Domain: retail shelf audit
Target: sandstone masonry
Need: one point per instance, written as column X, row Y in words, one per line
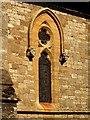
column 73, row 75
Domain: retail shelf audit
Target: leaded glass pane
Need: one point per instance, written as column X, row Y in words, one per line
column 43, row 36
column 44, row 79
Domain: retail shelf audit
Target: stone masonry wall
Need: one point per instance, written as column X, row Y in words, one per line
column 73, row 75
column 0, row 57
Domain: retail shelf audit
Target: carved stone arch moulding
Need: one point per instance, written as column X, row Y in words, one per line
column 45, row 34
column 41, row 20
column 48, row 52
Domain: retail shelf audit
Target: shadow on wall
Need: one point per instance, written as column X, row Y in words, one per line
column 6, row 79
column 7, row 89
column 8, row 98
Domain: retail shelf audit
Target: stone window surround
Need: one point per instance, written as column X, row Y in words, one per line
column 47, row 19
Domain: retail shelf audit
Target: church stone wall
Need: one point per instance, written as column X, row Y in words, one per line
column 73, row 75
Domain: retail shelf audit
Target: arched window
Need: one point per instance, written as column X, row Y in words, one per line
column 44, row 78
column 45, row 45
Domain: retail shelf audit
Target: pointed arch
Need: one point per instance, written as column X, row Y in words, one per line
column 45, row 34
column 57, row 22
column 48, row 52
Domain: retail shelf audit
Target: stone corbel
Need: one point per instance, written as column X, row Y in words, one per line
column 63, row 58
column 30, row 53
